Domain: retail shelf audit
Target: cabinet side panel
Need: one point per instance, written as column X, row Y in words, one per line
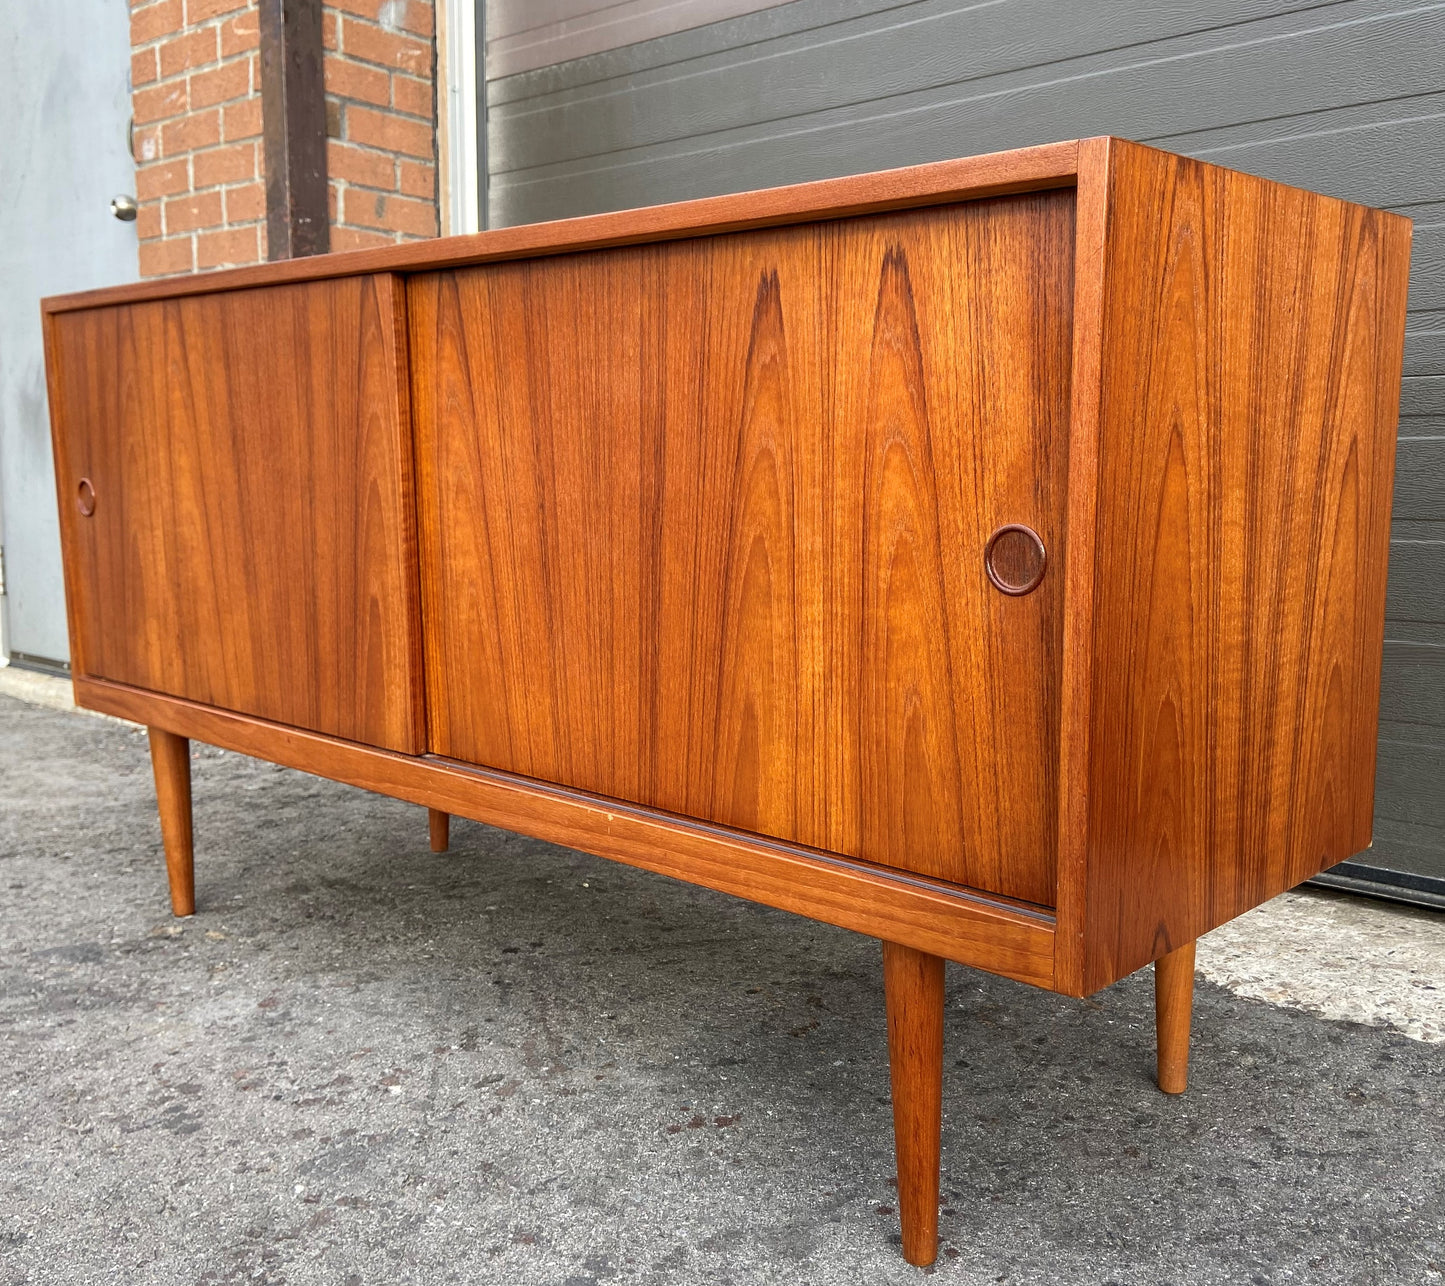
column 252, row 544
column 1251, row 374
column 704, row 523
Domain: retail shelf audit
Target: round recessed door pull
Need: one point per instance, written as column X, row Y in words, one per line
column 1014, row 559
column 85, row 497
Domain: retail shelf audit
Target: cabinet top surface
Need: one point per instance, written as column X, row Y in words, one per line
column 995, row 174
column 1050, row 165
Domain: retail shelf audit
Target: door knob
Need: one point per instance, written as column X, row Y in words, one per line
column 85, row 498
column 124, row 207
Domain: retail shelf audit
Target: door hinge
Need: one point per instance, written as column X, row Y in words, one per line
column 2, row 571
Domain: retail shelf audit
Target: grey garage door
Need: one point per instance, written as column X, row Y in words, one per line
column 1347, row 98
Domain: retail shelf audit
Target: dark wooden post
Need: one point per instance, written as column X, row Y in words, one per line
column 293, row 129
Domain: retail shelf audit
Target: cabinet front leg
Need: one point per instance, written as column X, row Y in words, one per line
column 1173, row 1004
column 913, row 991
column 171, row 761
column 440, row 825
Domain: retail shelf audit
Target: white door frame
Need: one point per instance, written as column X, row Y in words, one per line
column 461, row 127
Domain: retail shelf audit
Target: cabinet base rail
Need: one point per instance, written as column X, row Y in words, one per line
column 1011, row 939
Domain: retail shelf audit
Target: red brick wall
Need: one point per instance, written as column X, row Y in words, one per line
column 380, row 119
column 196, row 98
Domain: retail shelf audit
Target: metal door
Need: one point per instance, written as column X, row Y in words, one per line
column 65, row 102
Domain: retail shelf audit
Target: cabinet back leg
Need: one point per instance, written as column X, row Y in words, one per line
column 171, row 762
column 440, row 826
column 913, row 990
column 1173, row 1006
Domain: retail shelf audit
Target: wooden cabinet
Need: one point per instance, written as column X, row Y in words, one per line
column 988, row 556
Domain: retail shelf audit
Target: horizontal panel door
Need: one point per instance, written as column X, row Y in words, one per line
column 704, row 523
column 235, row 480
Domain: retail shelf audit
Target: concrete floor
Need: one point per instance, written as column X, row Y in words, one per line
column 362, row 1063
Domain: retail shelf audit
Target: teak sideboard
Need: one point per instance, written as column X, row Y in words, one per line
column 987, row 556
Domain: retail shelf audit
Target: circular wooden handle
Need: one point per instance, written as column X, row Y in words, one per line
column 85, row 497
column 1015, row 559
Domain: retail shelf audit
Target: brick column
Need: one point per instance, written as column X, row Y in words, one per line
column 196, row 98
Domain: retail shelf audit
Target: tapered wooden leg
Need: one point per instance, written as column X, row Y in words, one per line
column 913, row 990
column 171, row 760
column 441, row 825
column 1173, row 1003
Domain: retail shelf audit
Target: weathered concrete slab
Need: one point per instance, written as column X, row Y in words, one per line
column 1338, row 956
column 512, row 1063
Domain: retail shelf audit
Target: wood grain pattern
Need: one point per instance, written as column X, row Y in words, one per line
column 171, row 765
column 913, row 992
column 930, row 916
column 703, row 528
column 65, row 480
column 253, row 540
column 1250, row 380
column 1024, row 169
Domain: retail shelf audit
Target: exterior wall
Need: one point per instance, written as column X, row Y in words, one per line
column 196, row 98
column 380, row 121
column 523, row 34
column 1345, row 98
column 196, row 104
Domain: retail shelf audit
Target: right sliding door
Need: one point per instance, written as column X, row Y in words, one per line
column 704, row 528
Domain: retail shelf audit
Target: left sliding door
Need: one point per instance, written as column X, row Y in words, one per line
column 235, row 481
